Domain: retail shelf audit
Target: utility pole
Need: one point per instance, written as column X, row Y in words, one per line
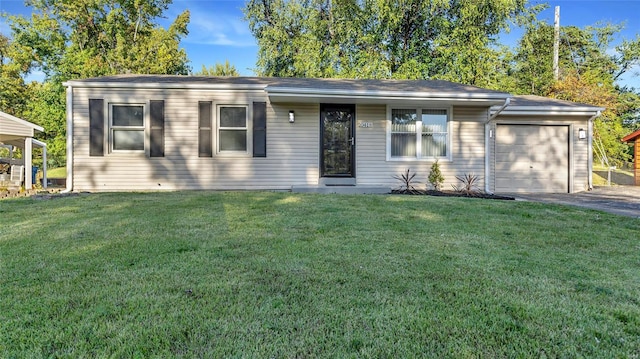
column 556, row 43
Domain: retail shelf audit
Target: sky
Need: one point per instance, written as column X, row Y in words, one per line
column 217, row 31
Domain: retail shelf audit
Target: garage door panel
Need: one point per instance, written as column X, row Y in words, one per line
column 512, row 157
column 543, row 185
column 517, row 135
column 513, row 167
column 548, row 176
column 532, row 158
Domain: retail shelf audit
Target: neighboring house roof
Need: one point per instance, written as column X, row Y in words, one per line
column 302, row 89
column 19, row 121
column 13, row 130
column 632, row 136
column 534, row 105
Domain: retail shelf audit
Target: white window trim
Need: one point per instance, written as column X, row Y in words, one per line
column 110, row 127
column 419, row 156
column 216, row 130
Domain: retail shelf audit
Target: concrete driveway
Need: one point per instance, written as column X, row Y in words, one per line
column 622, row 200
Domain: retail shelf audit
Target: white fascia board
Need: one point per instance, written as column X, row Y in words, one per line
column 549, row 110
column 163, row 85
column 312, row 92
column 21, row 121
column 38, row 143
column 307, row 98
column 541, row 111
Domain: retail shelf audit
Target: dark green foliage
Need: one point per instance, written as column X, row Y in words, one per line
column 411, row 39
column 225, row 69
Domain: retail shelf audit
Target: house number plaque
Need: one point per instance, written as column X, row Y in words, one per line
column 366, row 124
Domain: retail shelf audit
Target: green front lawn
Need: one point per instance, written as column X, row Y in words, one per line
column 280, row 275
column 59, row 172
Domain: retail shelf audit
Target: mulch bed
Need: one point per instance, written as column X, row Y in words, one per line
column 452, row 194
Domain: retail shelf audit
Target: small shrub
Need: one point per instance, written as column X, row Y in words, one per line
column 407, row 182
column 435, row 176
column 469, row 184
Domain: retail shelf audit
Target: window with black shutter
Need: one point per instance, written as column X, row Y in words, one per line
column 259, row 129
column 156, row 135
column 205, row 148
column 96, row 127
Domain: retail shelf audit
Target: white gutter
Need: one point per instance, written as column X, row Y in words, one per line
column 590, row 145
column 69, row 139
column 497, row 112
column 539, row 111
column 487, row 144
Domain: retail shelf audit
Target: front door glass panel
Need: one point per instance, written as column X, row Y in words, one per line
column 337, row 140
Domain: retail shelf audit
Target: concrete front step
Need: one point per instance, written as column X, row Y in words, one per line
column 357, row 189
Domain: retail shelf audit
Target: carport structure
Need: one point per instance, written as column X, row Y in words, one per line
column 19, row 133
column 635, row 138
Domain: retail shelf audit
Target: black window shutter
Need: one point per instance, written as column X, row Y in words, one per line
column 96, row 127
column 157, row 128
column 205, row 149
column 259, row 129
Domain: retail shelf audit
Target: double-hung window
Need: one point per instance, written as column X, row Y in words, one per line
column 127, row 127
column 419, row 134
column 232, row 129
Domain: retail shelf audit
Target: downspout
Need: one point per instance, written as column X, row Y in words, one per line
column 590, row 145
column 69, row 140
column 487, row 145
column 495, row 114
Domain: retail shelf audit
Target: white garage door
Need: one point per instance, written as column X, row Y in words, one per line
column 531, row 158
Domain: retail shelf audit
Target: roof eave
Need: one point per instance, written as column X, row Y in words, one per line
column 631, row 137
column 342, row 93
column 21, row 121
column 163, row 85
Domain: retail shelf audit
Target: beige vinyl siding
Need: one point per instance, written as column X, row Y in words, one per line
column 578, row 160
column 466, row 146
column 8, row 127
column 292, row 149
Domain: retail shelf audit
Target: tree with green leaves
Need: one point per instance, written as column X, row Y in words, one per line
column 218, row 69
column 410, row 39
column 81, row 39
column 588, row 74
column 100, row 37
column 13, row 97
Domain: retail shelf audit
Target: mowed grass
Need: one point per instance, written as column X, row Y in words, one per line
column 59, row 172
column 281, row 275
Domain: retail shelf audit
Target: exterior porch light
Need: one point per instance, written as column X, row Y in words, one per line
column 292, row 116
column 582, row 134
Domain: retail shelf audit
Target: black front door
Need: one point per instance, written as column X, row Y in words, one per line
column 337, row 140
